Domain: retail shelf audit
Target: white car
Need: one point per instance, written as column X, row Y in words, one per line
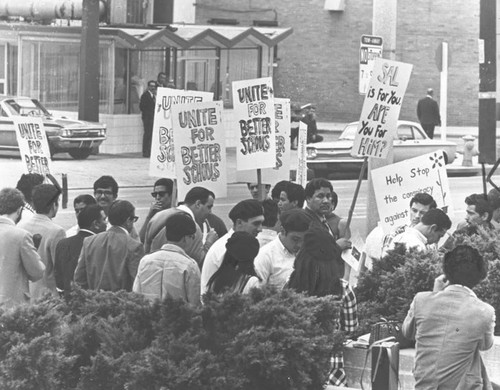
column 326, row 158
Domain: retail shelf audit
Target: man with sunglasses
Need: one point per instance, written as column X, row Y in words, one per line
column 46, row 205
column 162, row 200
column 109, row 260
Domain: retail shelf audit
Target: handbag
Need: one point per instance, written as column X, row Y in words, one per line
column 384, row 329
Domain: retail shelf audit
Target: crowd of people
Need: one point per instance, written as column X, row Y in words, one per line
column 292, row 239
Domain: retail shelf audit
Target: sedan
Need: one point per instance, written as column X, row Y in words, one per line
column 78, row 138
column 326, row 158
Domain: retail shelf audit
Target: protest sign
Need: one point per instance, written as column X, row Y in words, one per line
column 380, row 113
column 253, row 102
column 282, row 169
column 162, row 161
column 200, row 149
column 396, row 184
column 33, row 145
column 302, row 156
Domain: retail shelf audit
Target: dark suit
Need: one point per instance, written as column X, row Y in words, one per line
column 147, row 106
column 67, row 254
column 428, row 115
column 109, row 261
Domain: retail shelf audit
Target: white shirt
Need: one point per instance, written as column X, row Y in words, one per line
column 266, row 236
column 213, row 260
column 274, row 264
column 72, row 231
column 412, row 238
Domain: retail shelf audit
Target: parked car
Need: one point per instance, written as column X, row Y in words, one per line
column 326, row 158
column 76, row 137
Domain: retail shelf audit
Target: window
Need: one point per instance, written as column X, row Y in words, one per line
column 405, row 132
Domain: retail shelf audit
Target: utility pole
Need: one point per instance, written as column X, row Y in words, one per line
column 88, row 93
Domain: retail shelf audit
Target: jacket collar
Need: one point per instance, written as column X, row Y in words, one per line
column 458, row 288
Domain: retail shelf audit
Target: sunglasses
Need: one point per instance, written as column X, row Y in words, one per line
column 135, row 218
column 161, row 194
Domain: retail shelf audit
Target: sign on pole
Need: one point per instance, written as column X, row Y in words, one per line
column 162, row 161
column 200, row 148
column 253, row 102
column 396, row 184
column 302, row 155
column 281, row 171
column 370, row 48
column 380, row 113
column 33, row 145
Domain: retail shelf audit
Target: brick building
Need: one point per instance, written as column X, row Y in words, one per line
column 319, row 63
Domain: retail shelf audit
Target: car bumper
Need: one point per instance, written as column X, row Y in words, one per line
column 332, row 166
column 61, row 143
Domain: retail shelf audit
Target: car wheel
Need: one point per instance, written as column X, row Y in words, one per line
column 80, row 154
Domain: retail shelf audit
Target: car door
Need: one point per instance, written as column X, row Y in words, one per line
column 8, row 138
column 407, row 143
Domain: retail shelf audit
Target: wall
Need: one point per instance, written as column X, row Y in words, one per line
column 319, row 63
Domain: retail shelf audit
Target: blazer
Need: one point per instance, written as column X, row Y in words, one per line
column 109, row 261
column 428, row 111
column 450, row 328
column 51, row 234
column 67, row 254
column 19, row 263
column 147, row 106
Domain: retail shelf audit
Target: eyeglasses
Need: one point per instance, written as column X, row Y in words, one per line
column 135, row 218
column 104, row 192
column 161, row 194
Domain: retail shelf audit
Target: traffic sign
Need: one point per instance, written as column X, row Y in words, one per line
column 370, row 48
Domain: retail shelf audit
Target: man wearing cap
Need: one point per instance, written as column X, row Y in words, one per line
column 274, row 263
column 170, row 272
column 428, row 113
column 247, row 216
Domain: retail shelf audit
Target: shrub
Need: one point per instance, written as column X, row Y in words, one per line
column 96, row 340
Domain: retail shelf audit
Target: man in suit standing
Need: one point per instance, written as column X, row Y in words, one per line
column 46, row 204
column 428, row 113
column 91, row 220
column 147, row 107
column 19, row 260
column 451, row 325
column 109, row 260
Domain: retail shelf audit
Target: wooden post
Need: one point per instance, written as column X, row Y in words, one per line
column 260, row 186
column 356, row 192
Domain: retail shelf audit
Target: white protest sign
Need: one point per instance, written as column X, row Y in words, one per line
column 380, row 113
column 397, row 183
column 200, row 148
column 253, row 102
column 282, row 169
column 33, row 145
column 302, row 156
column 162, row 161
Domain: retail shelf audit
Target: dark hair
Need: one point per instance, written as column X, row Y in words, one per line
column 178, row 226
column 84, row 198
column 318, row 266
column 44, row 196
column 316, row 184
column 153, row 82
column 88, row 215
column 161, row 73
column 246, row 209
column 241, row 250
column 270, row 212
column 279, row 186
column 436, row 217
column 424, row 199
column 11, row 199
column 27, row 182
column 481, row 204
column 120, row 211
column 295, row 220
column 295, row 192
column 168, row 183
column 198, row 193
column 494, row 198
column 464, row 265
column 107, row 182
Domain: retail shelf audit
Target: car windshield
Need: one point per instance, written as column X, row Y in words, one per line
column 349, row 132
column 26, row 107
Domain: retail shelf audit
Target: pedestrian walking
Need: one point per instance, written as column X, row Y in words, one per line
column 428, row 113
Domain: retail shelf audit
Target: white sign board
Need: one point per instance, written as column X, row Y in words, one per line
column 380, row 113
column 253, row 102
column 162, row 161
column 302, row 156
column 370, row 48
column 397, row 183
column 200, row 147
column 33, row 145
column 282, row 169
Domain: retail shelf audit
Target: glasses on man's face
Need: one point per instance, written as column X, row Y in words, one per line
column 134, row 219
column 152, row 86
column 103, row 192
column 161, row 194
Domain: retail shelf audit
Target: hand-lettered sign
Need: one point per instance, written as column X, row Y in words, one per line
column 200, row 149
column 254, row 115
column 33, row 145
column 380, row 113
column 162, row 161
column 396, row 184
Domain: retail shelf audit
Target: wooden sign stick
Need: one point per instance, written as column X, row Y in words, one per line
column 356, row 192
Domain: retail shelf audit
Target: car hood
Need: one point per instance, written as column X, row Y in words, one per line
column 71, row 123
column 338, row 145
